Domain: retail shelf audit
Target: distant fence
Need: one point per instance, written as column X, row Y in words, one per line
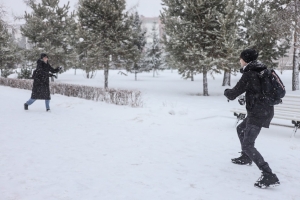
column 114, row 96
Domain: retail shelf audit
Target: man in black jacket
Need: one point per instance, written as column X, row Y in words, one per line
column 259, row 114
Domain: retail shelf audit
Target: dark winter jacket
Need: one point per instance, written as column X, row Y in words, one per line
column 40, row 77
column 259, row 113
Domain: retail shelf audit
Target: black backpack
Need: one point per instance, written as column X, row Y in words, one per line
column 272, row 87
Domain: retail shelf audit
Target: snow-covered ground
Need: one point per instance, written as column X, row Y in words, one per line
column 177, row 147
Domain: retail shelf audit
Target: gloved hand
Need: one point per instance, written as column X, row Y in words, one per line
column 242, row 100
column 52, row 75
column 225, row 93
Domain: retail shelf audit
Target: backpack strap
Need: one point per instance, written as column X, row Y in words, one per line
column 278, row 79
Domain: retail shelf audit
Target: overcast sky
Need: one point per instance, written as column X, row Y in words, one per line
column 148, row 8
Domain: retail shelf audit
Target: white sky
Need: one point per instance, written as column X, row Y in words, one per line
column 148, row 8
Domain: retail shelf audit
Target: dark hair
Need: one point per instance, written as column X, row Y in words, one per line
column 43, row 55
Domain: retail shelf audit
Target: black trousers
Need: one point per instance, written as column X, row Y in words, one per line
column 247, row 134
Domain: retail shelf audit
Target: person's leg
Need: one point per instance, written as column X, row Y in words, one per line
column 47, row 103
column 243, row 159
column 30, row 101
column 240, row 130
column 250, row 134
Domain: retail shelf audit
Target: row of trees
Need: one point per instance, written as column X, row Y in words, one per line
column 201, row 36
column 9, row 51
column 95, row 36
column 207, row 36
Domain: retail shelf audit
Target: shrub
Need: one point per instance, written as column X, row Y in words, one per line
column 114, row 96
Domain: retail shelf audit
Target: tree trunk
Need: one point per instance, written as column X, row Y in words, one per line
column 153, row 72
column 136, row 75
column 205, row 85
column 75, row 71
column 192, row 76
column 227, row 77
column 295, row 78
column 106, row 77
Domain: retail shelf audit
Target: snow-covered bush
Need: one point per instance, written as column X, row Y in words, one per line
column 114, row 96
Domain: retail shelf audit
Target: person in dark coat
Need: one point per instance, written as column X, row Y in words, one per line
column 41, row 89
column 259, row 114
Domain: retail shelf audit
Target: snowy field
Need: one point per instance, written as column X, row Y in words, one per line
column 178, row 146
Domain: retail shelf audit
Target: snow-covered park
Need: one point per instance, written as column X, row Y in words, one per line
column 178, row 146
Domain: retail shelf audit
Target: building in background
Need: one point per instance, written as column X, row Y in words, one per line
column 22, row 41
column 148, row 22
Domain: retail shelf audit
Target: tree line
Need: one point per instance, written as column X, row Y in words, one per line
column 200, row 36
column 208, row 36
column 95, row 36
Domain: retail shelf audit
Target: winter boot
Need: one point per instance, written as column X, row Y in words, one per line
column 48, row 110
column 242, row 160
column 25, row 106
column 267, row 180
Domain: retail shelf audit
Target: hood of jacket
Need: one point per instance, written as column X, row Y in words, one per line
column 254, row 66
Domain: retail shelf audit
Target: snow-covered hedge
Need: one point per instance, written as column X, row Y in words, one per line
column 114, row 96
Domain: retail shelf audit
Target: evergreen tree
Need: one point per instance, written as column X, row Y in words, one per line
column 9, row 51
column 263, row 33
column 25, row 73
column 194, row 29
column 288, row 18
column 48, row 30
column 71, row 41
column 174, row 46
column 108, row 27
column 87, row 53
column 154, row 59
column 232, row 45
column 138, row 41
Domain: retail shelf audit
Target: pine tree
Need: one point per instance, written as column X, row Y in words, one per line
column 175, row 48
column 154, row 59
column 87, row 53
column 25, row 73
column 71, row 41
column 288, row 18
column 9, row 51
column 194, row 27
column 48, row 30
column 138, row 41
column 109, row 32
column 232, row 45
column 263, row 33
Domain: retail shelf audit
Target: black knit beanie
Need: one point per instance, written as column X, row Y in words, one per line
column 43, row 55
column 249, row 55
